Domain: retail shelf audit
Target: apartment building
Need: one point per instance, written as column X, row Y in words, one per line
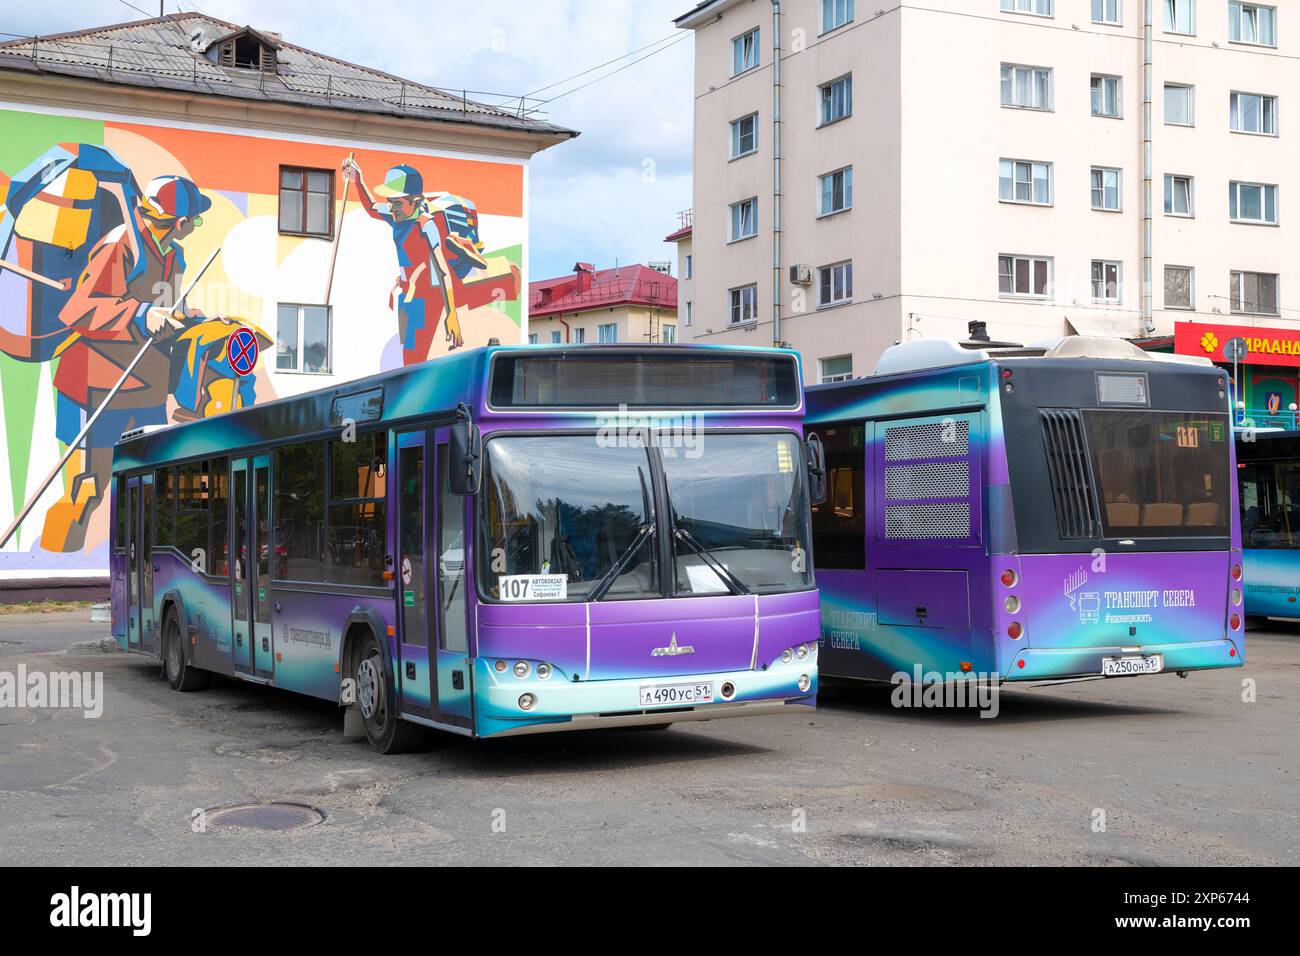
column 960, row 160
column 631, row 303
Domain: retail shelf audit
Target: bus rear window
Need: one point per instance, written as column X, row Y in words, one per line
column 1160, row 474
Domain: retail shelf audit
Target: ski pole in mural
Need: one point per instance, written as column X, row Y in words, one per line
column 99, row 262
column 440, row 257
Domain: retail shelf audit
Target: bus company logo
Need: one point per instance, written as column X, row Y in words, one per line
column 58, row 690
column 668, row 433
column 75, row 909
column 1086, row 603
column 673, row 649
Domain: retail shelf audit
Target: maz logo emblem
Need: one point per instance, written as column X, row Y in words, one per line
column 673, row 648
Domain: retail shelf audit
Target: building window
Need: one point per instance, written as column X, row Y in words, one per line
column 1105, row 280
column 835, row 284
column 1105, row 189
column 306, row 199
column 744, row 52
column 836, row 13
column 744, row 305
column 1254, row 113
column 1024, row 181
column 670, row 333
column 744, row 219
column 744, row 136
column 607, row 332
column 579, row 336
column 1040, row 8
column 302, row 340
column 836, row 98
column 1026, row 87
column 838, row 368
column 690, row 266
column 532, row 338
column 1178, row 195
column 1252, row 202
column 1106, row 11
column 1254, row 293
column 1106, row 96
column 1024, row 275
column 1252, row 23
column 555, row 337
column 836, row 191
column 1178, row 105
column 1178, row 287
column 1180, row 16
column 690, row 313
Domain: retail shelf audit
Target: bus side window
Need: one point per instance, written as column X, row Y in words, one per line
column 839, row 524
column 451, row 562
column 165, row 505
column 119, row 529
column 219, row 479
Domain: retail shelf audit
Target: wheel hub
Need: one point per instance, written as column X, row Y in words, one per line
column 369, row 688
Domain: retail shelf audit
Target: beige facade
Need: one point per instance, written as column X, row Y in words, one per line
column 631, row 323
column 931, row 227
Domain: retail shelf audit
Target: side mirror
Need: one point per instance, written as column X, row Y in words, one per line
column 465, row 456
column 815, row 455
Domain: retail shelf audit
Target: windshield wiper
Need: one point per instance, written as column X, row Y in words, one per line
column 607, row 580
column 733, row 583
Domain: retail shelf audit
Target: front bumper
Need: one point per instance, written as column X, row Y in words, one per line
column 580, row 705
column 1052, row 663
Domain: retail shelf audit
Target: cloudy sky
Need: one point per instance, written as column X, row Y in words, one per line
column 611, row 194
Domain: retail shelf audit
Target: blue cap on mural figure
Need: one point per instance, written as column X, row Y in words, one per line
column 174, row 197
column 401, row 181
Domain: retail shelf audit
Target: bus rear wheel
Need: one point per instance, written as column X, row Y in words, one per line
column 180, row 674
column 376, row 699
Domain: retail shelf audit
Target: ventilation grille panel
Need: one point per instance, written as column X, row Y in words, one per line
column 949, row 439
column 1077, row 513
column 931, row 479
column 944, row 519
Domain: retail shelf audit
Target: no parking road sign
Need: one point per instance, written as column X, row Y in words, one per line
column 243, row 350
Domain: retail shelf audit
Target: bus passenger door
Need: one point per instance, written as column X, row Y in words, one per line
column 144, row 538
column 134, row 616
column 241, row 575
column 259, row 550
column 412, row 589
column 454, row 692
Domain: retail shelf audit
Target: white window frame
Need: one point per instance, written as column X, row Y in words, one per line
column 1234, row 109
column 1029, row 8
column 737, row 299
column 1015, row 180
column 843, row 271
column 300, row 358
column 579, row 335
column 607, row 332
column 690, row 313
column 1190, row 90
column 835, row 14
column 1191, row 196
column 1093, row 188
column 1101, row 18
column 668, row 333
column 1191, row 289
column 736, row 220
column 739, row 62
column 737, row 137
column 1106, row 79
column 826, row 95
column 1237, row 12
column 1031, row 261
column 826, row 378
column 846, row 191
column 1171, row 22
column 1238, row 301
column 1105, row 264
column 1011, row 104
column 690, row 265
column 1234, row 200
column 532, row 338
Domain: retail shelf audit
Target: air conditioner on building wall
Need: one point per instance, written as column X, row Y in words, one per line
column 801, row 275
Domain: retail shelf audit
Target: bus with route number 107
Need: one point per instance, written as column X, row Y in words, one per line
column 504, row 541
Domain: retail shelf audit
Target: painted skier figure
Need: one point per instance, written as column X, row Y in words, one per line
column 431, row 256
column 125, row 294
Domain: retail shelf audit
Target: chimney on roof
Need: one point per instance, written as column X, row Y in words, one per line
column 583, row 271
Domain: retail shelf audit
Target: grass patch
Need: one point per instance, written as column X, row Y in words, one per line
column 46, row 606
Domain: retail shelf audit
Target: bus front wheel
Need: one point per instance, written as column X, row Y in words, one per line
column 181, row 675
column 376, row 699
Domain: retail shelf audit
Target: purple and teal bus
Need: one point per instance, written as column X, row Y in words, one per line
column 504, row 541
column 1027, row 514
column 1268, row 472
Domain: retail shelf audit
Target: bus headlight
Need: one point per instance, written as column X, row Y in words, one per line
column 527, row 701
column 522, row 669
column 787, row 656
column 543, row 671
column 804, row 682
column 801, row 652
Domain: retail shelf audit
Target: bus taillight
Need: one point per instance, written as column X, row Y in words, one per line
column 1009, row 578
column 1014, row 630
column 1236, row 572
column 1234, row 621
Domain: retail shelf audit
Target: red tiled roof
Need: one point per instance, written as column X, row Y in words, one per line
column 627, row 285
column 681, row 233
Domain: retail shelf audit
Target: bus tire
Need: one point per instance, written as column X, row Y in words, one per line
column 180, row 674
column 386, row 732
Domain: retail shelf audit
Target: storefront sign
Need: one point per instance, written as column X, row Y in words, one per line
column 1264, row 346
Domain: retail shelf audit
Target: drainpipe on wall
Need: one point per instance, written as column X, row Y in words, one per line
column 776, row 172
column 560, row 319
column 1148, row 322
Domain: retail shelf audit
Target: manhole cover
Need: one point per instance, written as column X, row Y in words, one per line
column 264, row 816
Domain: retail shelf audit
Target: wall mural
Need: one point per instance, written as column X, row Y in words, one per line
column 126, row 246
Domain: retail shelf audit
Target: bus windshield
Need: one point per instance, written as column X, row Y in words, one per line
column 569, row 518
column 1160, row 474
